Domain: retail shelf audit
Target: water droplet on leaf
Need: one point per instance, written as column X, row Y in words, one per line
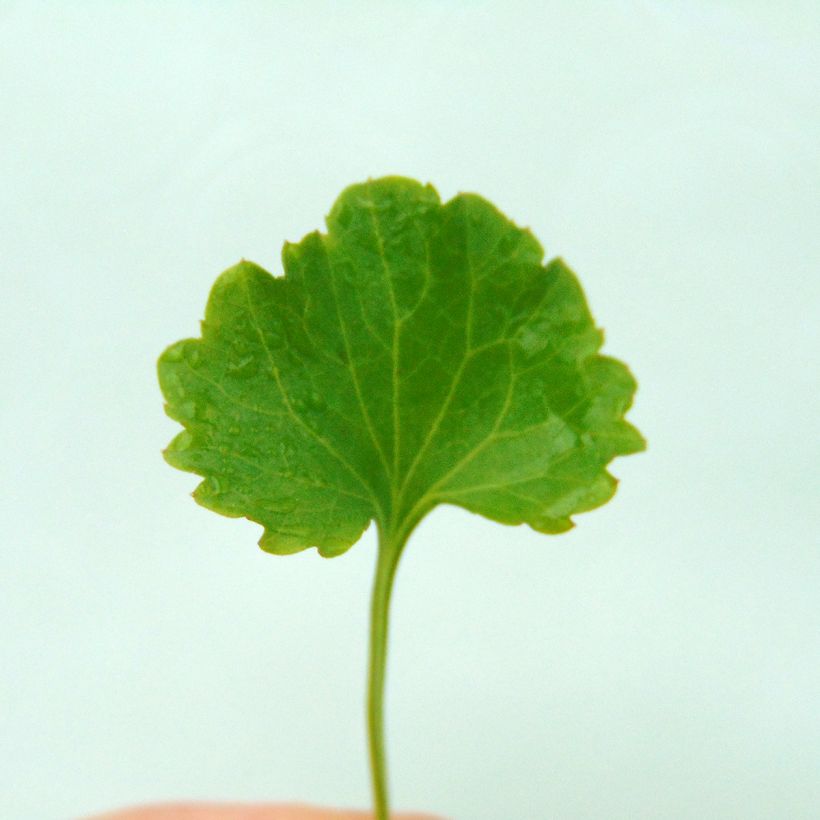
column 316, row 401
column 192, row 356
column 187, row 409
column 242, row 367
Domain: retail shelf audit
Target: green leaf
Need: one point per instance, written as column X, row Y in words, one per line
column 416, row 354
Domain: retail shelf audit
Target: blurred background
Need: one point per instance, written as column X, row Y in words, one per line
column 662, row 660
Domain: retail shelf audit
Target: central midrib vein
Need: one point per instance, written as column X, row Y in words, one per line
column 392, row 476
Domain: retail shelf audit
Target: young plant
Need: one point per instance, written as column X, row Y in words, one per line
column 416, row 354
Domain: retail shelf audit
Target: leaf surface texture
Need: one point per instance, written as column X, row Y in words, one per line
column 416, row 354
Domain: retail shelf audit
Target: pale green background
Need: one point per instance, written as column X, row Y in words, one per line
column 658, row 663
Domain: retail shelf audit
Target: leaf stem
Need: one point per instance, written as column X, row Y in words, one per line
column 390, row 549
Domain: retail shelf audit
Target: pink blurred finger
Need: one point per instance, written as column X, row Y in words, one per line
column 238, row 811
